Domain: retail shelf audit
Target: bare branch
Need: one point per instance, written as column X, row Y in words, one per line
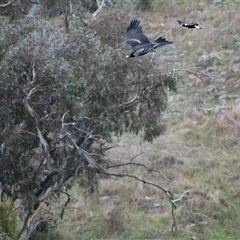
column 68, row 200
column 62, row 120
column 193, row 215
column 166, row 191
column 26, row 104
column 85, row 154
column 33, row 73
column 141, row 165
column 136, row 156
column 131, row 103
column 33, row 115
column 180, row 198
column 29, row 224
column 99, row 8
column 8, row 4
column 70, row 8
column 42, row 139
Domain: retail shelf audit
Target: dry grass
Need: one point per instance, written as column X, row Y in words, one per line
column 189, row 163
column 226, row 127
column 219, row 22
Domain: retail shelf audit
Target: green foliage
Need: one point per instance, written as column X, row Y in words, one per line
column 7, row 220
column 220, row 235
column 81, row 90
column 45, row 230
column 90, row 5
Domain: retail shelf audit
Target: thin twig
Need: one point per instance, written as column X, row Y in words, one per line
column 141, row 165
column 136, row 156
column 68, row 200
column 166, row 191
column 193, row 214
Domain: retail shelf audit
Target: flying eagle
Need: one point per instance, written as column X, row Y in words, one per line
column 189, row 25
column 139, row 42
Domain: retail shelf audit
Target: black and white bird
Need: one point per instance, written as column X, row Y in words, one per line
column 189, row 25
column 139, row 42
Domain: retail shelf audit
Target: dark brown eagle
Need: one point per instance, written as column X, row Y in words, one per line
column 139, row 42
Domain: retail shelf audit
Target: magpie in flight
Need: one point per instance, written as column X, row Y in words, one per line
column 139, row 42
column 189, row 25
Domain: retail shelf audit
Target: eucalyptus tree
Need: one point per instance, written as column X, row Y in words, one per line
column 63, row 96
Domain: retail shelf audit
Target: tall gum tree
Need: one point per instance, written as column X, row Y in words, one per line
column 63, row 95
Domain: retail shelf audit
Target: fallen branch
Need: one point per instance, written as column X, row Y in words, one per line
column 194, row 214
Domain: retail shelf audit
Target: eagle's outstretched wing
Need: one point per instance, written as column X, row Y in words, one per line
column 160, row 42
column 134, row 34
column 180, row 22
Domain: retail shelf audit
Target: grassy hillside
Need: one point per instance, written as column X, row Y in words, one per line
column 200, row 150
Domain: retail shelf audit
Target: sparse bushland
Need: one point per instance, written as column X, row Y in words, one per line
column 199, row 151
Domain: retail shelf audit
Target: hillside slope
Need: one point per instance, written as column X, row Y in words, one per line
column 200, row 150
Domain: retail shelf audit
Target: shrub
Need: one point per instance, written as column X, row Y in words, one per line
column 7, row 220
